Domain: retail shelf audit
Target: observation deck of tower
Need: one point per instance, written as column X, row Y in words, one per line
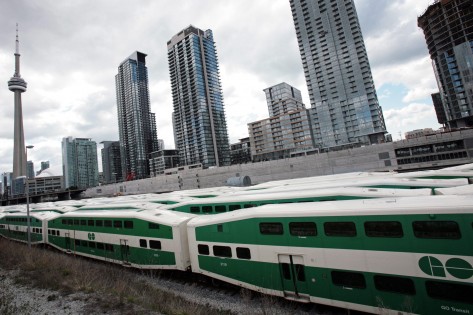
column 17, row 85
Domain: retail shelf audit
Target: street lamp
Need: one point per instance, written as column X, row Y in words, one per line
column 28, row 198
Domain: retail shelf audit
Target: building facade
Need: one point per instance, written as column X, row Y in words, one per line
column 136, row 123
column 240, row 152
column 344, row 105
column 199, row 121
column 448, row 30
column 162, row 160
column 30, row 169
column 111, row 162
column 283, row 98
column 79, row 163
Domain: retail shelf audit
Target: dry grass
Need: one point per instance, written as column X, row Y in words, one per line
column 111, row 288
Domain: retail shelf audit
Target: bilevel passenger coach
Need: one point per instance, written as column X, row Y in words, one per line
column 383, row 256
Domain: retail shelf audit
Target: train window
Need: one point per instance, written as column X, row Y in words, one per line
column 349, row 279
column 76, row 222
column 53, row 232
column 64, row 221
column 383, row 229
column 84, row 243
column 300, row 273
column 395, row 284
column 57, row 232
column 92, row 244
column 220, row 209
column 303, row 228
column 219, row 227
column 243, row 253
column 83, row 222
column 154, row 244
column 436, row 229
column 107, row 223
column 91, row 223
column 109, row 247
column 271, row 228
column 128, row 224
column 450, row 291
column 77, row 242
column 203, row 249
column 207, row 209
column 195, row 209
column 100, row 246
column 222, row 251
column 340, row 229
column 249, row 205
column 98, row 223
column 143, row 243
column 153, row 226
column 49, row 232
column 69, row 221
column 117, row 224
column 234, row 207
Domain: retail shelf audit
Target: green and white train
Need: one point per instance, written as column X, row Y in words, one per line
column 410, row 255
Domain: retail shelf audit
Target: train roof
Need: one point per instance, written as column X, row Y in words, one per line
column 458, row 190
column 44, row 215
column 154, row 215
column 384, row 206
column 354, row 192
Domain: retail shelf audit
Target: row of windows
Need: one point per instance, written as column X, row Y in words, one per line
column 438, row 290
column 152, row 244
column 422, row 229
column 54, row 232
column 19, row 219
column 106, row 223
column 224, row 251
column 102, row 246
column 37, row 230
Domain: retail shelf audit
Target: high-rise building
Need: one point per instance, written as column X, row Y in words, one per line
column 79, row 163
column 136, row 123
column 163, row 159
column 286, row 131
column 30, row 169
column 111, row 162
column 199, row 122
column 448, row 30
column 344, row 105
column 283, row 98
column 17, row 85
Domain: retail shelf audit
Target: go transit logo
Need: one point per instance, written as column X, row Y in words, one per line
column 456, row 267
column 91, row 236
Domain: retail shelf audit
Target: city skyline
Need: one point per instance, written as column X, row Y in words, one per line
column 69, row 95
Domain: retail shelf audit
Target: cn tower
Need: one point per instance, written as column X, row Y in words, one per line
column 17, row 85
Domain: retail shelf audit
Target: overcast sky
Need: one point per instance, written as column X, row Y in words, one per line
column 70, row 52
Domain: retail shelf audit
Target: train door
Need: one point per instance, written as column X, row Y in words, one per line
column 67, row 239
column 293, row 277
column 124, row 251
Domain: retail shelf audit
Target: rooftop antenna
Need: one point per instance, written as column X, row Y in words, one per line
column 17, row 51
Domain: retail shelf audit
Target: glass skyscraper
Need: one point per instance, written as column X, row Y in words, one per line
column 200, row 127
column 136, row 124
column 344, row 105
column 448, row 30
column 79, row 162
